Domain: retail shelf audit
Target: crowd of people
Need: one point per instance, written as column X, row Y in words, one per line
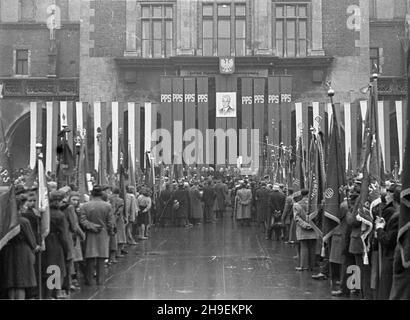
column 90, row 232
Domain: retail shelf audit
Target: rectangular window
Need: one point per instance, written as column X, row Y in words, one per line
column 156, row 30
column 21, row 62
column 27, row 10
column 374, row 60
column 230, row 23
column 291, row 35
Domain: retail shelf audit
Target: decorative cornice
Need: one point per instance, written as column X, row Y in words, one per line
column 213, row 62
column 36, row 25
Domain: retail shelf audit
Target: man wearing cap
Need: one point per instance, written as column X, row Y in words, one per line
column 277, row 202
column 181, row 197
column 99, row 213
column 208, row 198
column 262, row 198
column 165, row 206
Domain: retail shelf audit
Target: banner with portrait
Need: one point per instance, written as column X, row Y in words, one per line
column 226, row 104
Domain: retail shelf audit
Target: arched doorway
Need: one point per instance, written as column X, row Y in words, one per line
column 19, row 141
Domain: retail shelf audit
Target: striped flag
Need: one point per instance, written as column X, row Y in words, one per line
column 9, row 223
column 43, row 203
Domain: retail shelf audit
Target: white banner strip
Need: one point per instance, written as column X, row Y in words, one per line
column 131, row 130
column 115, row 134
column 148, row 129
column 63, row 115
column 380, row 124
column 299, row 120
column 33, row 133
column 400, row 132
column 348, row 131
column 79, row 116
column 97, row 124
column 329, row 116
column 363, row 111
column 316, row 114
column 50, row 135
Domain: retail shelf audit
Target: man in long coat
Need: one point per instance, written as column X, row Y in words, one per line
column 243, row 202
column 262, row 198
column 165, row 205
column 208, row 198
column 195, row 198
column 98, row 220
column 181, row 196
column 221, row 190
column 277, row 202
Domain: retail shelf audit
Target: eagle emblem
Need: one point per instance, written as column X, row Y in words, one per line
column 227, row 65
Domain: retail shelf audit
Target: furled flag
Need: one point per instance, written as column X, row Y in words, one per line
column 299, row 181
column 362, row 205
column 335, row 182
column 9, row 222
column 131, row 168
column 316, row 183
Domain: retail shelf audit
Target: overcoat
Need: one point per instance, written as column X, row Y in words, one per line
column 182, row 197
column 263, row 206
column 338, row 239
column 17, row 259
column 117, row 205
column 221, row 190
column 98, row 212
column 197, row 210
column 244, row 202
column 165, row 204
column 303, row 229
column 57, row 242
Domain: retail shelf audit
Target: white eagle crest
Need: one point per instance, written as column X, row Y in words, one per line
column 227, row 65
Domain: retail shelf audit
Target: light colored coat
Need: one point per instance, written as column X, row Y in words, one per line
column 243, row 200
column 98, row 212
column 303, row 229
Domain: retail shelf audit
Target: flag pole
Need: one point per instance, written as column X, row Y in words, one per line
column 39, row 146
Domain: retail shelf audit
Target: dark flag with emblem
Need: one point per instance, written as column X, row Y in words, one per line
column 335, row 181
column 401, row 266
column 316, row 183
column 9, row 222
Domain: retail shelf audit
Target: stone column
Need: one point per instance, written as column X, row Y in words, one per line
column 131, row 28
column 186, row 27
column 317, row 32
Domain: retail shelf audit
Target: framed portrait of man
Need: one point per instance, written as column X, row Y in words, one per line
column 226, row 104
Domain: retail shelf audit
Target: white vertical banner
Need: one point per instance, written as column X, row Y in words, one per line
column 49, row 136
column 131, row 130
column 33, row 133
column 63, row 115
column 329, row 117
column 363, row 111
column 380, row 125
column 97, row 124
column 348, row 132
column 148, row 126
column 400, row 132
column 115, row 134
column 79, row 116
column 316, row 121
column 299, row 119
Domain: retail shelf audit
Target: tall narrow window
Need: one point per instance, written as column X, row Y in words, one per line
column 224, row 30
column 21, row 62
column 374, row 60
column 207, row 30
column 230, row 35
column 291, row 29
column 156, row 30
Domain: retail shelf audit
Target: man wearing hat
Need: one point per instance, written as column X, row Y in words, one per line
column 98, row 221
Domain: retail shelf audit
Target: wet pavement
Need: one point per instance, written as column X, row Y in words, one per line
column 208, row 261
